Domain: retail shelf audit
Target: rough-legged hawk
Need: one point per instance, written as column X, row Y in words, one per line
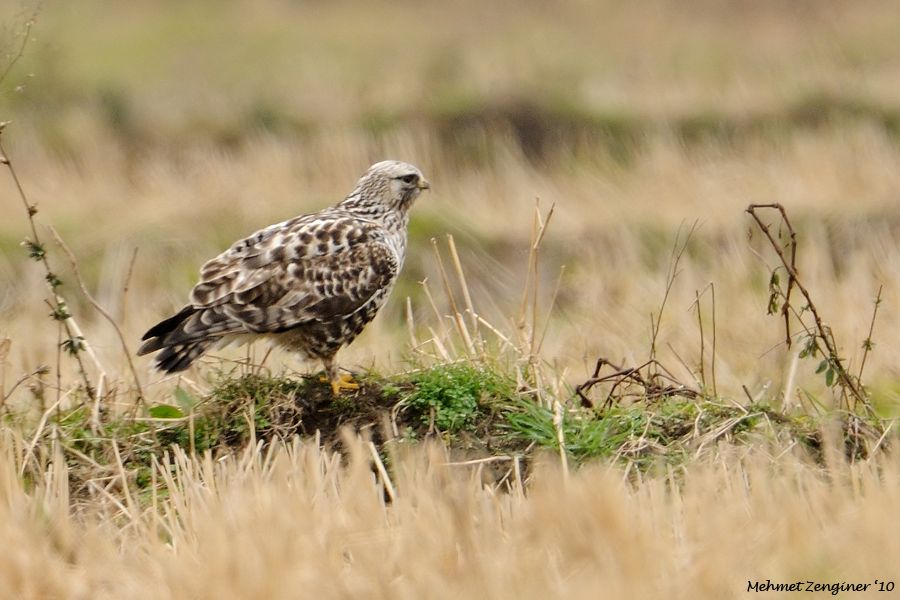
column 310, row 283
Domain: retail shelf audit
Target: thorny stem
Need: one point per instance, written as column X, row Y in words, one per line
column 57, row 303
column 822, row 331
column 867, row 344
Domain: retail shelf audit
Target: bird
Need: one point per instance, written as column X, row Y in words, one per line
column 309, row 284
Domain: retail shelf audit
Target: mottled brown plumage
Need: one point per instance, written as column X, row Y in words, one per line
column 310, row 283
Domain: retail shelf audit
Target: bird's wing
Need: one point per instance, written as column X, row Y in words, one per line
column 311, row 268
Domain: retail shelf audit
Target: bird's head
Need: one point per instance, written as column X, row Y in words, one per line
column 389, row 184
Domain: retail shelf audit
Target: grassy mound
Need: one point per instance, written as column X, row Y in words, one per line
column 476, row 411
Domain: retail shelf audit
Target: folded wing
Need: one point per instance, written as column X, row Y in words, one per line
column 310, row 268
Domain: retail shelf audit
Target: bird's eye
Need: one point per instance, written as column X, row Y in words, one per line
column 409, row 178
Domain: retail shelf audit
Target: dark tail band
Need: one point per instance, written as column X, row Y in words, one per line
column 177, row 354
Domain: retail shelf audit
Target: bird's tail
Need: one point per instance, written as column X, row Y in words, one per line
column 180, row 356
column 182, row 339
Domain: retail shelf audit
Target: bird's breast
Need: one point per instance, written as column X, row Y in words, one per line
column 396, row 241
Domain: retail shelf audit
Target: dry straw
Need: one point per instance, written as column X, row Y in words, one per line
column 294, row 519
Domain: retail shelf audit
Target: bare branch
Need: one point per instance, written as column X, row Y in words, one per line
column 125, row 349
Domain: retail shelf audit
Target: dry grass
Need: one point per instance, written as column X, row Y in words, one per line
column 613, row 231
column 297, row 521
column 152, row 142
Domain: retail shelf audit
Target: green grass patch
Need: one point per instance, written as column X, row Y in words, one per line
column 674, row 428
column 452, row 397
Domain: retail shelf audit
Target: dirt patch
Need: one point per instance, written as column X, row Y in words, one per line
column 381, row 410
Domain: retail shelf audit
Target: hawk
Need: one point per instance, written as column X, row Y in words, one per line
column 310, row 284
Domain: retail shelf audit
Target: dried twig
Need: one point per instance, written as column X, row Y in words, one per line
column 75, row 270
column 671, row 275
column 457, row 315
column 702, row 341
column 653, row 384
column 382, row 472
column 461, row 277
column 697, row 297
column 127, row 286
column 530, row 291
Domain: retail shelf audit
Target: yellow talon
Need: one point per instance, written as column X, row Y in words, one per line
column 343, row 382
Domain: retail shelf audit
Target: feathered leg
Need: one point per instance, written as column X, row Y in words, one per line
column 337, row 380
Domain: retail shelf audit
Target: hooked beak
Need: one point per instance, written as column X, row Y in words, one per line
column 423, row 184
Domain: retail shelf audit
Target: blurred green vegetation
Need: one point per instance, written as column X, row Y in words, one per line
column 582, row 73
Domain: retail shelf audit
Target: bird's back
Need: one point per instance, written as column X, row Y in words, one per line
column 311, row 283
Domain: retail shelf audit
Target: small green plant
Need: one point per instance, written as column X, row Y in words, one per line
column 452, row 396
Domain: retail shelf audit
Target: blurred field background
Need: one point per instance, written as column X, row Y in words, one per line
column 174, row 129
column 170, row 129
